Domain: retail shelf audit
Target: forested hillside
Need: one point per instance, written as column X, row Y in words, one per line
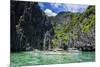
column 75, row 29
column 32, row 29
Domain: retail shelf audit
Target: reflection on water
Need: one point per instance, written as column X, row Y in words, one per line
column 31, row 58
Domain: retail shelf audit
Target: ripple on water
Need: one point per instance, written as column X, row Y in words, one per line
column 35, row 58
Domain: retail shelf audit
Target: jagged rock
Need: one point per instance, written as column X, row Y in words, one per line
column 77, row 23
column 28, row 26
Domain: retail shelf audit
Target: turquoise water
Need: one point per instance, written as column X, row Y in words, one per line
column 31, row 58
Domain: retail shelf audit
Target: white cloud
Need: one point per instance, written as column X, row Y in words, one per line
column 42, row 5
column 69, row 7
column 56, row 5
column 50, row 12
column 74, row 8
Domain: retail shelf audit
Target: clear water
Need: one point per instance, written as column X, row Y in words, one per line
column 31, row 58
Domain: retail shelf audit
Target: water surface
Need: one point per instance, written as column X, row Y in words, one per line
column 38, row 58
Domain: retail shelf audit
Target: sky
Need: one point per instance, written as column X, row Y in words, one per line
column 52, row 9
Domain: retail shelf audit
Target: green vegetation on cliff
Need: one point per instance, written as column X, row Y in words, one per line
column 32, row 29
column 70, row 28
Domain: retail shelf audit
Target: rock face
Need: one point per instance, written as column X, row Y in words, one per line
column 80, row 28
column 86, row 41
column 32, row 29
column 28, row 26
column 86, row 34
